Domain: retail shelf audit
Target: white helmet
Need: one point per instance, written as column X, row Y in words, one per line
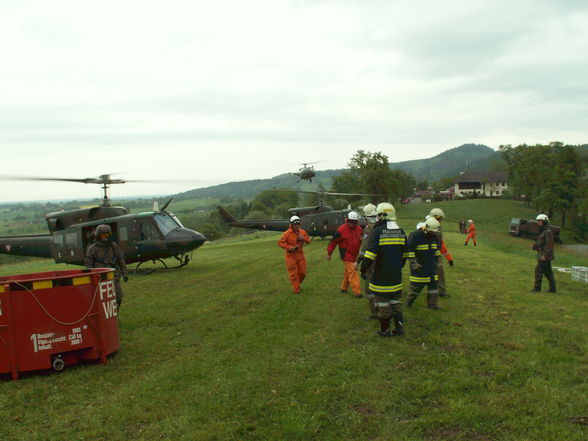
column 437, row 212
column 420, row 225
column 352, row 215
column 294, row 220
column 370, row 210
column 470, row 221
column 386, row 210
column 542, row 217
column 432, row 224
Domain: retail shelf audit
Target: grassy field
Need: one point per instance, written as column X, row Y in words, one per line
column 221, row 350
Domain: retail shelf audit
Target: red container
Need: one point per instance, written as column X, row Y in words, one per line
column 57, row 318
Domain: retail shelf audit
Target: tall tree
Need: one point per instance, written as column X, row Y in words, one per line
column 369, row 172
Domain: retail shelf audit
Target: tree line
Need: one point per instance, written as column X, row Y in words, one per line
column 550, row 177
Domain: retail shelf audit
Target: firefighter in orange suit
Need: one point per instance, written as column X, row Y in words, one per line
column 348, row 236
column 293, row 241
column 471, row 232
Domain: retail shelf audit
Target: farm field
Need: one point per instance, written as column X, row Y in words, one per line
column 221, row 350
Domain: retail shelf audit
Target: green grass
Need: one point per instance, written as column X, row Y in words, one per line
column 221, row 350
column 488, row 214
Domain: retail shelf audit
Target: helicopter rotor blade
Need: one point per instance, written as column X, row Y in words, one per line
column 166, row 204
column 324, row 192
column 102, row 179
column 40, row 178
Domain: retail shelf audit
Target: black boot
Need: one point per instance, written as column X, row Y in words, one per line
column 399, row 325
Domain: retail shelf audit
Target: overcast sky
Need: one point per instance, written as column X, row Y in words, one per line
column 231, row 90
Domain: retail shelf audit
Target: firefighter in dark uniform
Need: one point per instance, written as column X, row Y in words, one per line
column 386, row 252
column 104, row 253
column 371, row 215
column 423, row 252
column 545, row 254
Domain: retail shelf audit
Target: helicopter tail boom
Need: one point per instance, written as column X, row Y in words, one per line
column 34, row 245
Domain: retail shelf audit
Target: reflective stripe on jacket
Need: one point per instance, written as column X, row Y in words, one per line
column 424, row 249
column 386, row 251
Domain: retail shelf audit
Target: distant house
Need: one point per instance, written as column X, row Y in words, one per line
column 483, row 184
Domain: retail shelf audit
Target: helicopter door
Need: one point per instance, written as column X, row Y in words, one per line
column 58, row 247
column 67, row 246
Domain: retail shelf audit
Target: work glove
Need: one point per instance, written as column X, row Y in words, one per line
column 451, row 263
column 126, row 278
column 415, row 266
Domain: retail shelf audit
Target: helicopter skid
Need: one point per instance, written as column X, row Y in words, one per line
column 183, row 260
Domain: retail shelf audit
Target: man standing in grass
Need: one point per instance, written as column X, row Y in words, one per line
column 545, row 254
column 293, row 241
column 371, row 215
column 386, row 252
column 471, row 232
column 105, row 253
column 348, row 238
column 423, row 253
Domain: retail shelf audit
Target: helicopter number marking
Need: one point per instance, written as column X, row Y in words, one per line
column 108, row 298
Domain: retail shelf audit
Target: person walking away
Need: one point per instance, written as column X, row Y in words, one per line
column 105, row 253
column 371, row 216
column 471, row 232
column 386, row 253
column 545, row 255
column 293, row 241
column 348, row 237
column 423, row 251
column 438, row 214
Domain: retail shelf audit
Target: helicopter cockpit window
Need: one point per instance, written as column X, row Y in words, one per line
column 165, row 223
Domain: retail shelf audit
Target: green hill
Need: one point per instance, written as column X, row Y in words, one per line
column 447, row 164
column 210, row 353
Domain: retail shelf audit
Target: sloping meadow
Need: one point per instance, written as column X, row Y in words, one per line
column 222, row 350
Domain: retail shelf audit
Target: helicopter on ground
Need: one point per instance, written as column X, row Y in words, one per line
column 150, row 236
column 307, row 171
column 318, row 221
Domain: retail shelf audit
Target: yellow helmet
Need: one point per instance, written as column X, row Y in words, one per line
column 369, row 210
column 437, row 212
column 386, row 210
column 432, row 224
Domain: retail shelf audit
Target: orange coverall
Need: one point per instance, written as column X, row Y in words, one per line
column 471, row 234
column 445, row 253
column 295, row 260
column 348, row 238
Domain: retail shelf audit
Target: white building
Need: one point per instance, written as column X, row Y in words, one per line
column 489, row 184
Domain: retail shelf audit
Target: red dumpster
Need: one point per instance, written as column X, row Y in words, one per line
column 57, row 318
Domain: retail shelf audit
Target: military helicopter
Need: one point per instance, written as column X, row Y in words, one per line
column 150, row 236
column 318, row 221
column 307, row 171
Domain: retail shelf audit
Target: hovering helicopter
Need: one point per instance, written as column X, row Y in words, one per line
column 307, row 171
column 150, row 236
column 318, row 221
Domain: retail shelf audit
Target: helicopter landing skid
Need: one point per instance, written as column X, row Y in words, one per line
column 183, row 261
